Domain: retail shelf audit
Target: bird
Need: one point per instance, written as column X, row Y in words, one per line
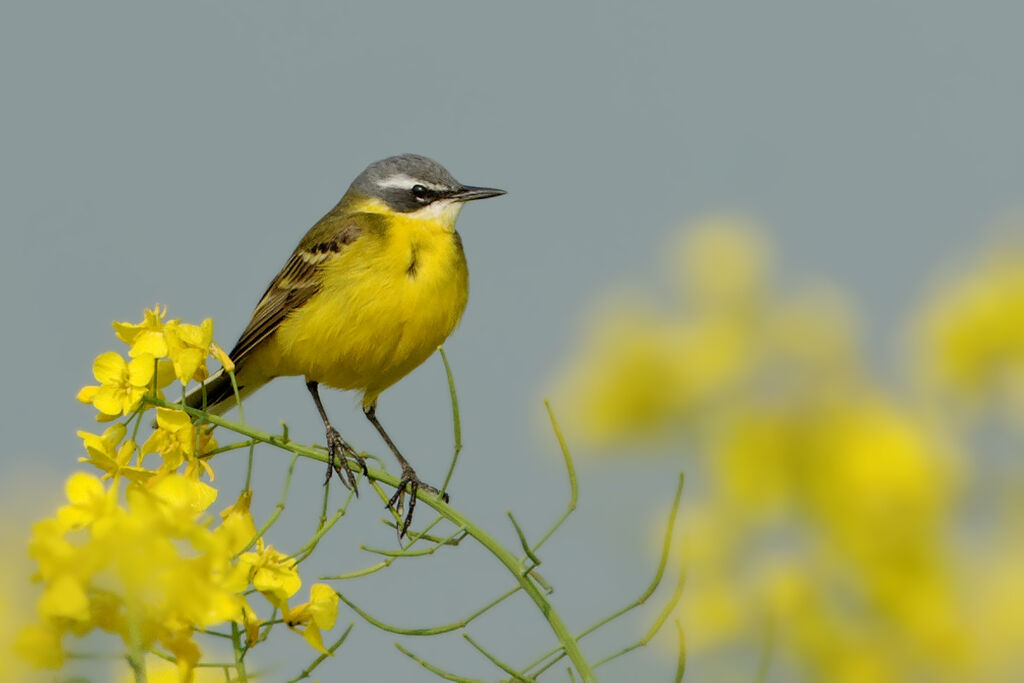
column 369, row 293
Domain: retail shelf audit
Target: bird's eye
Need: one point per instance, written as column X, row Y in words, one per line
column 420, row 192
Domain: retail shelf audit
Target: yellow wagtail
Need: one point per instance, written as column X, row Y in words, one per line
column 369, row 294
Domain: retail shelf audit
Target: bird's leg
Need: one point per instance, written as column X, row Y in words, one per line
column 408, row 474
column 335, row 444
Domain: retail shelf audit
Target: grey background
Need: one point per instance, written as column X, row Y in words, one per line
column 175, row 152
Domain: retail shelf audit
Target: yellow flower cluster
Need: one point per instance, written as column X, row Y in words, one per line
column 824, row 506
column 146, row 570
column 160, row 351
column 135, row 552
column 973, row 332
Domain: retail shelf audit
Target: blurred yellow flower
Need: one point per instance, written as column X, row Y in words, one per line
column 88, row 501
column 721, row 263
column 237, row 527
column 40, row 646
column 150, row 570
column 161, row 671
column 822, row 532
column 972, row 331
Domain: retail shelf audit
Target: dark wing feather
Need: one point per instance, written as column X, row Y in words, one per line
column 294, row 285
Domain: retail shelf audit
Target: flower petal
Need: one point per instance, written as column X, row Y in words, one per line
column 109, row 368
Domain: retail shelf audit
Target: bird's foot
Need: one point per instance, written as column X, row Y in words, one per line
column 337, row 450
column 396, row 503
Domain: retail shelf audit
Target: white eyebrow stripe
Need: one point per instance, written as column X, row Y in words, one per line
column 404, row 181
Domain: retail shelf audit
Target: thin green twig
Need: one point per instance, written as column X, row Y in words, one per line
column 230, row 447
column 655, row 627
column 517, row 675
column 278, row 509
column 573, row 489
column 522, row 540
column 330, row 652
column 308, row 549
column 681, row 662
column 451, row 540
column 418, row 535
column 432, row 630
column 447, row 675
column 558, row 653
column 456, row 421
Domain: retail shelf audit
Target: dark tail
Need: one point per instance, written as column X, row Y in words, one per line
column 219, row 394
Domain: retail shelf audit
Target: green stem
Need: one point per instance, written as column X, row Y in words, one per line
column 451, row 540
column 433, row 630
column 573, row 489
column 558, row 653
column 497, row 662
column 236, row 642
column 308, row 549
column 681, row 663
column 278, row 509
column 136, row 653
column 448, row 676
column 456, row 422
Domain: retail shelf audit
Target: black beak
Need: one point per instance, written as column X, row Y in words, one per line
column 468, row 193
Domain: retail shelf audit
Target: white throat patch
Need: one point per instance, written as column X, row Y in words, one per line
column 444, row 211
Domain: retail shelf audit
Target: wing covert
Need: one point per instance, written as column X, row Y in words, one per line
column 299, row 280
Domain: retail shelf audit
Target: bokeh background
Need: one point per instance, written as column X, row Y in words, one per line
column 767, row 244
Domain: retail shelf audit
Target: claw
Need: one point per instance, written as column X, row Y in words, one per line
column 336, row 461
column 410, row 479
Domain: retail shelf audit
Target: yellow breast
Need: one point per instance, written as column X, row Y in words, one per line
column 386, row 303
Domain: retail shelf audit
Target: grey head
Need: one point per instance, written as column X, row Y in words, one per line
column 410, row 182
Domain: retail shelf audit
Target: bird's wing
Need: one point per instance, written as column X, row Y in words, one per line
column 295, row 284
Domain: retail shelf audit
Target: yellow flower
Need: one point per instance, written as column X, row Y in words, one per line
column 40, row 645
column 105, row 454
column 826, row 519
column 973, row 331
column 250, row 621
column 151, row 571
column 64, row 598
column 146, row 337
column 272, row 573
column 318, row 614
column 184, row 498
column 237, row 527
column 162, row 671
column 222, row 357
column 174, row 438
column 123, row 384
column 188, row 347
column 88, row 501
column 639, row 374
column 722, row 262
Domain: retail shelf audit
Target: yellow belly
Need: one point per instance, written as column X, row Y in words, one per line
column 387, row 302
